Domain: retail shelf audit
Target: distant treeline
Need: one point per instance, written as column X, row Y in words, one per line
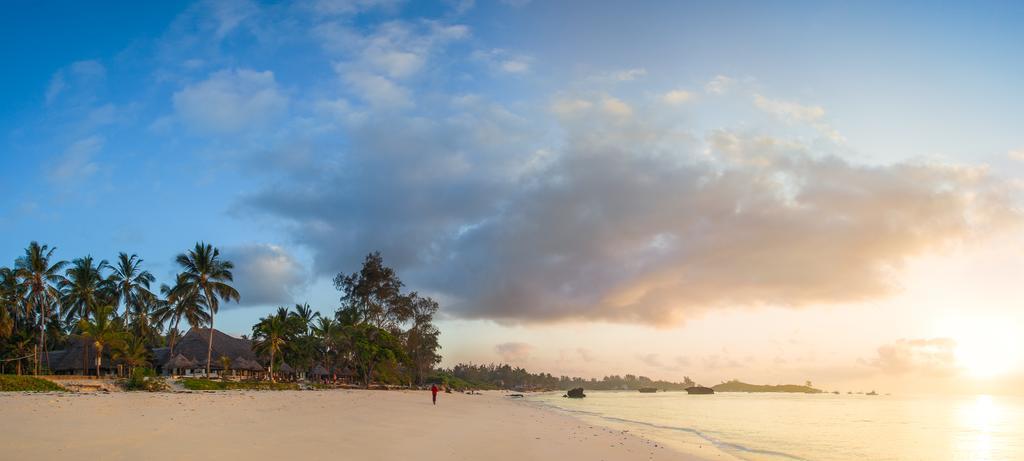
column 504, row 376
column 738, row 386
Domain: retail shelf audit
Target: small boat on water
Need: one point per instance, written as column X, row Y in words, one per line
column 648, row 390
column 699, row 390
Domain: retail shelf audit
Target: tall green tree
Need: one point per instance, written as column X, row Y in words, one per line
column 12, row 302
column 39, row 275
column 133, row 351
column 271, row 334
column 372, row 295
column 331, row 343
column 102, row 329
column 131, row 285
column 421, row 339
column 208, row 274
column 182, row 301
column 372, row 346
column 82, row 290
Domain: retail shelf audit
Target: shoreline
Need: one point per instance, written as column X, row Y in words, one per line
column 324, row 424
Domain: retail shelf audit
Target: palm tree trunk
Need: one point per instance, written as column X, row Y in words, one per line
column 99, row 356
column 270, row 368
column 39, row 346
column 209, row 347
column 175, row 337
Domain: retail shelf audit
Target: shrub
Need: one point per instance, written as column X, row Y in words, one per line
column 145, row 379
column 11, row 383
column 200, row 384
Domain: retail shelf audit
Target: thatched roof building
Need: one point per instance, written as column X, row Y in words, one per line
column 179, row 362
column 193, row 346
column 79, row 355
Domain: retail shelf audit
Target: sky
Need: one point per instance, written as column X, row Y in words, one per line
column 770, row 192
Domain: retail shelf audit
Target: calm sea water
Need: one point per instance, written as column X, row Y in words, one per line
column 822, row 427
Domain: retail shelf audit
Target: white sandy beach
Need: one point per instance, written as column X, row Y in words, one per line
column 309, row 425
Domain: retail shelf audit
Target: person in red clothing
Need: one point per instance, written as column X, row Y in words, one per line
column 433, row 391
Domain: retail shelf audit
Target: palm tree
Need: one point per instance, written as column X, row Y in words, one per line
column 270, row 335
column 208, row 274
column 330, row 337
column 12, row 297
column 182, row 301
column 306, row 316
column 82, row 290
column 39, row 278
column 225, row 364
column 11, row 302
column 133, row 352
column 131, row 284
column 103, row 329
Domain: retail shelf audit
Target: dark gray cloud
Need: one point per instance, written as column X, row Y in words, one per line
column 588, row 206
column 265, row 274
column 624, row 218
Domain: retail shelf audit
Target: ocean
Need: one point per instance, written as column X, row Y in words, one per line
column 820, row 427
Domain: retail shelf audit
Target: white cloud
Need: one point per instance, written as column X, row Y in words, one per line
column 629, row 74
column 348, row 7
column 513, row 352
column 77, row 160
column 56, row 86
column 394, row 49
column 379, row 91
column 503, row 61
column 719, row 85
column 676, row 97
column 1016, row 154
column 265, row 274
column 79, row 74
column 793, row 112
column 89, row 69
column 515, row 66
column 231, row 101
column 616, row 107
column 568, row 107
column 932, row 356
column 788, row 110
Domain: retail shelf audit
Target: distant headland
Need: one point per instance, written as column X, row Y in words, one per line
column 739, row 386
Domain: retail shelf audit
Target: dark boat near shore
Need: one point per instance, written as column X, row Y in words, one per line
column 648, row 390
column 700, row 390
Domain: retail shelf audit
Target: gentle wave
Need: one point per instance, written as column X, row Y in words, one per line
column 718, row 443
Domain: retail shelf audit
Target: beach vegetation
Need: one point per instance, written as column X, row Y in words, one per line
column 13, row 383
column 203, row 384
column 144, row 379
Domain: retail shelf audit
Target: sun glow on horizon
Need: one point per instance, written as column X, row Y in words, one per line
column 986, row 348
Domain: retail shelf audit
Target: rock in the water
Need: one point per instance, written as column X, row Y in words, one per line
column 576, row 393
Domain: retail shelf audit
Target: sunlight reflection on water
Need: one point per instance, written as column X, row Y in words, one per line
column 771, row 427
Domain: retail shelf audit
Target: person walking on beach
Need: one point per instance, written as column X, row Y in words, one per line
column 433, row 391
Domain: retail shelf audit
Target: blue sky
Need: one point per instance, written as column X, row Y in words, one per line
column 524, row 162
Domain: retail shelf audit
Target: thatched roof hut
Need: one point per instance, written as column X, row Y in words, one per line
column 285, row 368
column 179, row 362
column 79, row 354
column 193, row 346
column 239, row 364
column 252, row 365
column 318, row 370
